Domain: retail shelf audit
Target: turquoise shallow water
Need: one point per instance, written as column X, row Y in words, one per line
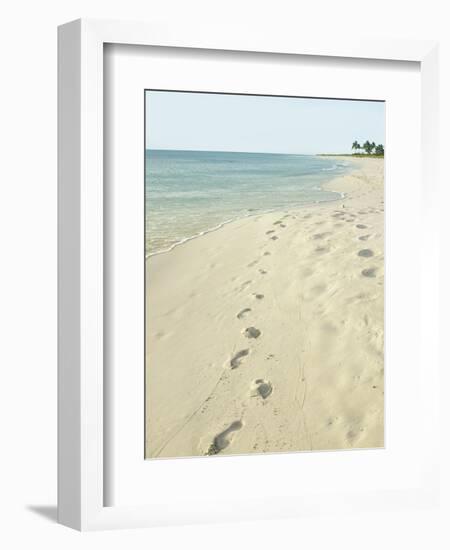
column 188, row 193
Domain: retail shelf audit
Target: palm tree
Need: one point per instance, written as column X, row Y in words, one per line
column 367, row 147
column 356, row 146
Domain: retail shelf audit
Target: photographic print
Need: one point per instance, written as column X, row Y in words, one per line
column 264, row 274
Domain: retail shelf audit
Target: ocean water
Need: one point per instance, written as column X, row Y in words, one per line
column 188, row 193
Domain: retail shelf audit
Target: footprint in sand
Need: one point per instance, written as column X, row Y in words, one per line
column 365, row 253
column 274, row 238
column 271, row 231
column 282, row 225
column 262, row 388
column 370, row 272
column 252, row 332
column 363, row 237
column 251, row 264
column 258, row 296
column 223, row 439
column 278, row 222
column 321, row 235
column 237, row 358
column 244, row 285
column 243, row 313
column 361, row 226
column 263, row 272
column 266, row 254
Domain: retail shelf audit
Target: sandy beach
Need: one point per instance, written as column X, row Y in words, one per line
column 267, row 334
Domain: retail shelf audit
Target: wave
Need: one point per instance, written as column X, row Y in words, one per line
column 336, row 166
column 186, row 239
column 251, row 212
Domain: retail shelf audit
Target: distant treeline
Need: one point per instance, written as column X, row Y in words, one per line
column 369, row 148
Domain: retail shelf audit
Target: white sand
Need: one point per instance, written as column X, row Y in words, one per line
column 312, row 292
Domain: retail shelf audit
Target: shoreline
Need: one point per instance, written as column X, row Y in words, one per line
column 267, row 336
column 262, row 212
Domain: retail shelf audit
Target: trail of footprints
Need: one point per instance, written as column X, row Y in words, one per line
column 260, row 387
column 369, row 272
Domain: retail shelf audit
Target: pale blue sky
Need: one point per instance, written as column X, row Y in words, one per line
column 266, row 124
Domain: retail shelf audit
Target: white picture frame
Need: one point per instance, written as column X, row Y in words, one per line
column 81, row 406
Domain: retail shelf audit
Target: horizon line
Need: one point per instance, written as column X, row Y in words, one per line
column 244, row 152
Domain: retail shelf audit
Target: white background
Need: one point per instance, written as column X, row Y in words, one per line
column 28, row 272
